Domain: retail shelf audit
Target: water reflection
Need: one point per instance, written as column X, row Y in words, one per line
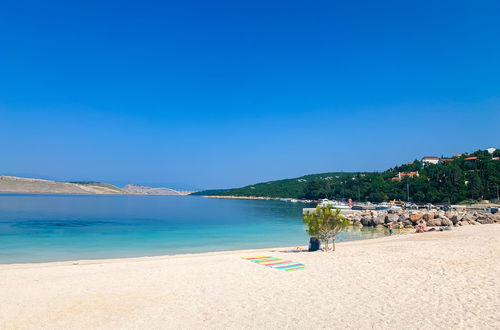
column 353, row 233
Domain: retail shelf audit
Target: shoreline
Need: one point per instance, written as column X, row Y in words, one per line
column 368, row 284
column 244, row 197
column 194, row 255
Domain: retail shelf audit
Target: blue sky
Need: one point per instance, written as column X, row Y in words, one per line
column 209, row 94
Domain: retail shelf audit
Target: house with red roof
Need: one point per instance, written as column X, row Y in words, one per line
column 402, row 175
column 430, row 160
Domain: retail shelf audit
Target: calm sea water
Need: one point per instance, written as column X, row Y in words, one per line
column 36, row 228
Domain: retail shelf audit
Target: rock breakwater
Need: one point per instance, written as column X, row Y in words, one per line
column 410, row 218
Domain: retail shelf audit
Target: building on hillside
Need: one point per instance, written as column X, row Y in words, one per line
column 495, row 158
column 491, row 150
column 402, row 175
column 446, row 160
column 430, row 160
column 456, row 156
column 471, row 159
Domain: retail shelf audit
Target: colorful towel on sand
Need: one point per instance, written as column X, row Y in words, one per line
column 278, row 263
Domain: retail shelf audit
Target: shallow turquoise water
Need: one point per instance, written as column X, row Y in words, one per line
column 36, row 228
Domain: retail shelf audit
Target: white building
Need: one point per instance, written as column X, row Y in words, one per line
column 491, row 150
column 430, row 160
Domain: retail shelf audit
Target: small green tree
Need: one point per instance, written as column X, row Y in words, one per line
column 325, row 223
column 337, row 222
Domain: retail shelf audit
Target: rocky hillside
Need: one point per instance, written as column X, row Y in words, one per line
column 12, row 184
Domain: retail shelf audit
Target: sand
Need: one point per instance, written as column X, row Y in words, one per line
column 446, row 280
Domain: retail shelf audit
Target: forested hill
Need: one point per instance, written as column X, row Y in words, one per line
column 474, row 176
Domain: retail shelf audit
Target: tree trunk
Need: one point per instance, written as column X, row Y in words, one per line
column 325, row 240
column 333, row 243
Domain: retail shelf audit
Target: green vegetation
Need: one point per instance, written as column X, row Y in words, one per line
column 449, row 182
column 324, row 223
column 209, row 192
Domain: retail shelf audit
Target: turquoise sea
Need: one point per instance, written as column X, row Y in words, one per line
column 39, row 228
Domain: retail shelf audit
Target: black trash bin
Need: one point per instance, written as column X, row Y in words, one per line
column 313, row 244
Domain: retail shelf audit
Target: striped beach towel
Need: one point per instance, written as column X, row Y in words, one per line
column 277, row 263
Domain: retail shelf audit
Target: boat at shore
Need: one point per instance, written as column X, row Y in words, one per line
column 388, row 206
column 335, row 204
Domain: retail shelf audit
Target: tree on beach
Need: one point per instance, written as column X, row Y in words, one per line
column 325, row 223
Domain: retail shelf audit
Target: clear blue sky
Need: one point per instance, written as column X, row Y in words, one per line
column 209, row 94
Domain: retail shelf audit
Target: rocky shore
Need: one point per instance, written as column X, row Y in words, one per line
column 410, row 218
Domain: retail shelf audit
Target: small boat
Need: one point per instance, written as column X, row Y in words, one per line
column 388, row 206
column 335, row 204
column 383, row 206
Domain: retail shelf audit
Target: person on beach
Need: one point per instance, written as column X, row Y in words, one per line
column 391, row 229
column 421, row 227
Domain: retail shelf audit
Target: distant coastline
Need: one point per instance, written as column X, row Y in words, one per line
column 241, row 197
column 460, row 178
column 20, row 185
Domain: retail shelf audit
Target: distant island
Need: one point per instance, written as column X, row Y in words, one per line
column 13, row 184
column 457, row 178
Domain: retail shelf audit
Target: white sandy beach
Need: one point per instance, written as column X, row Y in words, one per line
column 444, row 280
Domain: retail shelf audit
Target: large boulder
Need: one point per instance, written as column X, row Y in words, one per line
column 416, row 217
column 407, row 223
column 469, row 217
column 391, row 218
column 367, row 220
column 450, row 214
column 435, row 222
column 460, row 215
column 455, row 219
column 379, row 220
column 428, row 216
column 446, row 222
column 485, row 220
